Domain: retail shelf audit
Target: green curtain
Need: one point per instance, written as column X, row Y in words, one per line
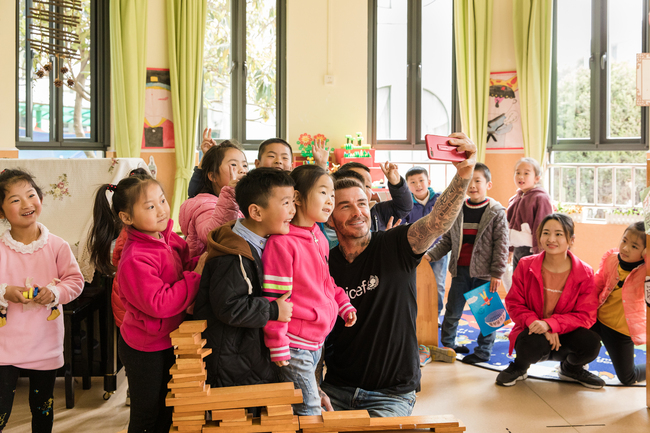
column 473, row 34
column 128, row 29
column 186, row 31
column 532, row 24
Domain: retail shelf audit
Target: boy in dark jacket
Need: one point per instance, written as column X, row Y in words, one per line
column 230, row 293
column 478, row 242
column 424, row 197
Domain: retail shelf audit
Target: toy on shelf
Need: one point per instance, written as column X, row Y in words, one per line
column 355, row 151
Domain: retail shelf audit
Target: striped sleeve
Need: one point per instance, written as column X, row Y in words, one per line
column 278, row 280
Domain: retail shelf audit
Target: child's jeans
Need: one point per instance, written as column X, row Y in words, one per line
column 439, row 269
column 621, row 351
column 378, row 404
column 41, row 394
column 461, row 284
column 301, row 371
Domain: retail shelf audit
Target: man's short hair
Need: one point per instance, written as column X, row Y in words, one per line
column 354, row 164
column 348, row 182
column 265, row 143
column 486, row 171
column 257, row 187
column 416, row 170
column 348, row 174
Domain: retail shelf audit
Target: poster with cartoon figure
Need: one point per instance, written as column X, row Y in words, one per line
column 487, row 308
column 158, row 118
column 504, row 115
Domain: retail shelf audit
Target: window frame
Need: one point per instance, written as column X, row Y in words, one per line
column 99, row 91
column 238, row 76
column 414, row 81
column 599, row 82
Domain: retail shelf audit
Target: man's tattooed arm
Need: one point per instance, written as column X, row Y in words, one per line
column 423, row 232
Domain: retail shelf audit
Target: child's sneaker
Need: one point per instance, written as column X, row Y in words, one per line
column 582, row 376
column 511, row 375
column 442, row 354
column 425, row 355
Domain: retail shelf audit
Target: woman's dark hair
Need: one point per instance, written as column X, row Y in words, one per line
column 212, row 161
column 306, row 177
column 10, row 177
column 565, row 221
column 106, row 221
column 637, row 228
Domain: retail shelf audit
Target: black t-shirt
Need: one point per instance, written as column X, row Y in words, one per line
column 380, row 352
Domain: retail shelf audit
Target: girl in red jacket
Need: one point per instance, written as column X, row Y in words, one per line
column 553, row 304
column 621, row 319
column 298, row 263
column 157, row 281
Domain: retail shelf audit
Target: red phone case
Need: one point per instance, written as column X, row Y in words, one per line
column 439, row 149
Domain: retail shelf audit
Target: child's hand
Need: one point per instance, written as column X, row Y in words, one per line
column 427, row 257
column 235, row 176
column 538, row 327
column 45, row 296
column 494, row 284
column 553, row 339
column 391, row 172
column 320, row 153
column 352, row 319
column 281, row 363
column 285, row 308
column 390, row 225
column 207, row 141
column 201, row 264
column 15, row 294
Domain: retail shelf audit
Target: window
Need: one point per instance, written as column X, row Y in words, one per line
column 411, row 86
column 76, row 114
column 594, row 75
column 243, row 81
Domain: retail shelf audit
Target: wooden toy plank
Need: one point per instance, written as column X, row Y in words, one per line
column 197, row 388
column 279, row 410
column 461, row 428
column 193, row 384
column 197, row 423
column 176, row 372
column 244, row 393
column 229, row 415
column 197, row 416
column 193, row 363
column 190, row 429
column 193, row 354
column 272, row 422
column 189, row 352
column 205, row 392
column 193, row 377
column 312, row 424
column 256, row 427
column 346, row 418
column 178, row 334
column 181, row 360
column 192, row 326
column 187, row 340
column 265, row 418
column 245, row 422
column 198, row 345
column 202, row 405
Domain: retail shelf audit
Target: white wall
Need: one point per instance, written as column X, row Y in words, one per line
column 503, row 45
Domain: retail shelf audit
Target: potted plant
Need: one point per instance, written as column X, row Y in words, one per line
column 624, row 216
column 573, row 210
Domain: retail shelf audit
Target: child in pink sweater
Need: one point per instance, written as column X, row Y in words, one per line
column 158, row 281
column 298, row 262
column 31, row 339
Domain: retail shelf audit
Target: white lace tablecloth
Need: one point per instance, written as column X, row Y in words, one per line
column 69, row 187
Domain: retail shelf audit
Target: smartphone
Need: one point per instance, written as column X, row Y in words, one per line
column 439, row 149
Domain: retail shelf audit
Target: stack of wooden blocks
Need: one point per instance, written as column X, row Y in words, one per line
column 360, row 421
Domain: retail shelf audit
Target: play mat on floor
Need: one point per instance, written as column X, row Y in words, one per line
column 468, row 332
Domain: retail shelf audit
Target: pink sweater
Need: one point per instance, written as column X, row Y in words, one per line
column 29, row 340
column 205, row 212
column 632, row 292
column 298, row 262
column 157, row 284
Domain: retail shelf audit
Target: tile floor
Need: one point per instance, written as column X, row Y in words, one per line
column 469, row 393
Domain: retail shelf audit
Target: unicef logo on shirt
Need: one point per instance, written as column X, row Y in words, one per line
column 366, row 285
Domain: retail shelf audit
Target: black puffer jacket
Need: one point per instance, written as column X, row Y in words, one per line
column 230, row 299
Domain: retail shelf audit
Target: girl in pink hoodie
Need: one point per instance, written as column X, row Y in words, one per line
column 158, row 281
column 31, row 337
column 298, row 263
column 223, row 165
column 621, row 321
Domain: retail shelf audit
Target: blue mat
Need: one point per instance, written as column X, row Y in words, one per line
column 468, row 331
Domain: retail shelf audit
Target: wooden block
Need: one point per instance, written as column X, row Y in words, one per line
column 312, row 424
column 193, row 384
column 178, row 334
column 272, row 422
column 461, row 428
column 198, row 423
column 187, row 364
column 197, row 388
column 346, row 418
column 192, row 326
column 176, row 372
column 192, row 354
column 180, row 406
column 229, row 415
column 256, row 427
column 244, row 396
column 196, row 416
column 246, row 422
column 190, row 429
column 190, row 377
column 266, row 419
column 310, row 421
column 279, row 410
column 187, row 341
column 197, row 346
column 205, row 392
